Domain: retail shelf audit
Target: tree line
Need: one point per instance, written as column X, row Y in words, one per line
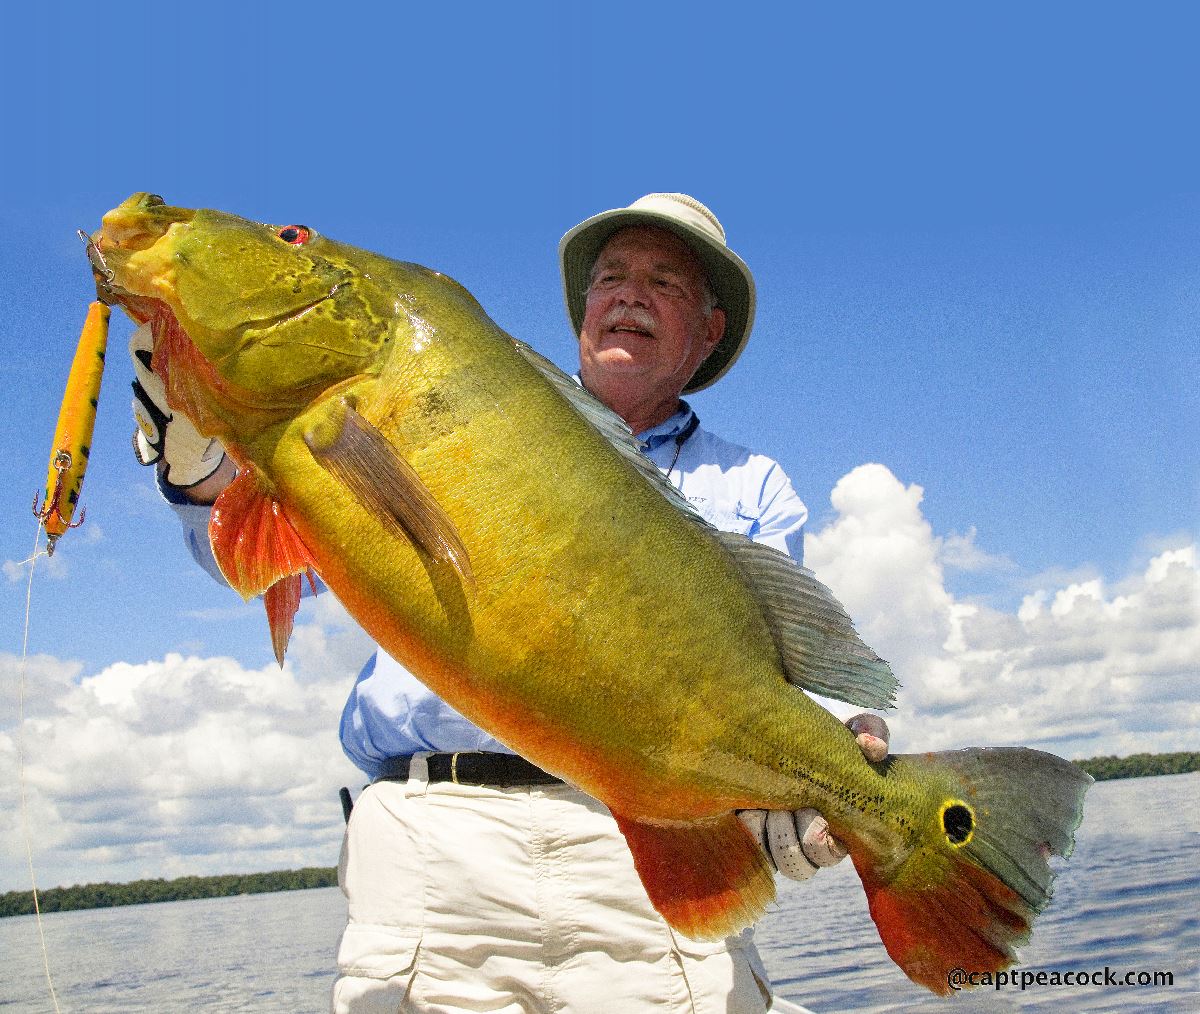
column 141, row 892
column 1139, row 765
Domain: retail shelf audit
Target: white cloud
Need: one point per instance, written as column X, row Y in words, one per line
column 182, row 764
column 1081, row 668
column 960, row 552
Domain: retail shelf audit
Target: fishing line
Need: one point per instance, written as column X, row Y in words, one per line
column 25, row 830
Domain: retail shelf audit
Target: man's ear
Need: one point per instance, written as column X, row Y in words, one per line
column 716, row 328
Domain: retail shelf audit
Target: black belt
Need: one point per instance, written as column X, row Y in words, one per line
column 504, row 770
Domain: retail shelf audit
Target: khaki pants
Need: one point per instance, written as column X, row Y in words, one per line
column 478, row 899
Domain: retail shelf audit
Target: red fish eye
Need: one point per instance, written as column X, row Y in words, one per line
column 295, row 234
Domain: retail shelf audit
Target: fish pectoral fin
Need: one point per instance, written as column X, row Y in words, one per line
column 362, row 458
column 707, row 878
column 259, row 552
column 820, row 650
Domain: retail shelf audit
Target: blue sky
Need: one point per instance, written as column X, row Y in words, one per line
column 975, row 231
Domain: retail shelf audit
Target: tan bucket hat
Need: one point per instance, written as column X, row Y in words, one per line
column 691, row 221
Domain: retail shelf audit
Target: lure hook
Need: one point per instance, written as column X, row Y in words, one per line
column 50, row 508
column 103, row 273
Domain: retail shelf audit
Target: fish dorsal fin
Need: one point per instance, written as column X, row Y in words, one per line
column 609, row 425
column 356, row 453
column 259, row 552
column 820, row 649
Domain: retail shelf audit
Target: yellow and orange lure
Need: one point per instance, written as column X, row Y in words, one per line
column 73, row 435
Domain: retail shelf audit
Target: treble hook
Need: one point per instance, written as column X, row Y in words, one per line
column 50, row 512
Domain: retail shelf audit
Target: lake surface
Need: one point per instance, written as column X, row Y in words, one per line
column 1129, row 899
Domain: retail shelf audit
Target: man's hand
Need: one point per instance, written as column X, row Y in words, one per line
column 799, row 843
column 184, row 457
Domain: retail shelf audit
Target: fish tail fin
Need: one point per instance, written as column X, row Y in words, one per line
column 707, row 878
column 965, row 895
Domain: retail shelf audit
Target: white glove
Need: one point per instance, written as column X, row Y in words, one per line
column 799, row 842
column 187, row 457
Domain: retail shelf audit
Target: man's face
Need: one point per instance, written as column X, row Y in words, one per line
column 645, row 326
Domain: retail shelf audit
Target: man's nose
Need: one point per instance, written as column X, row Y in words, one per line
column 633, row 292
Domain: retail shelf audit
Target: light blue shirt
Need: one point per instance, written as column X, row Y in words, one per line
column 390, row 712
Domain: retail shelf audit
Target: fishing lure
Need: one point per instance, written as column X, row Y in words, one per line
column 73, row 435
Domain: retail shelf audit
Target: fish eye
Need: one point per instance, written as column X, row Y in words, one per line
column 294, row 234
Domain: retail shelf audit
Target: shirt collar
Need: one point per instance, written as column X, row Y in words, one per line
column 669, row 429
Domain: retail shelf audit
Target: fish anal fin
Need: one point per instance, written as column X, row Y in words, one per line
column 708, row 879
column 351, row 449
column 260, row 552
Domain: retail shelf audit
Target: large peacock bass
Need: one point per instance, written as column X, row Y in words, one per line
column 555, row 590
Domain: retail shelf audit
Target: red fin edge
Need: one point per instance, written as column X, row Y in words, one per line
column 954, row 914
column 707, row 879
column 260, row 553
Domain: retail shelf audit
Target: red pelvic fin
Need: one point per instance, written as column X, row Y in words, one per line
column 282, row 600
column 708, row 879
column 259, row 552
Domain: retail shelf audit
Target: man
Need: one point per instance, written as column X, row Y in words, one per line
column 474, row 880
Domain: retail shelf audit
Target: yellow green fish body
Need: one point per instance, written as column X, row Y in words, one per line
column 495, row 530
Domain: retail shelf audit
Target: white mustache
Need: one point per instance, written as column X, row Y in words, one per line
column 629, row 316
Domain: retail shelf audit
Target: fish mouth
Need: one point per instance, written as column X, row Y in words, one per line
column 129, row 271
column 139, row 222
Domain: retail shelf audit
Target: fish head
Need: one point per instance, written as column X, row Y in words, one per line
column 249, row 319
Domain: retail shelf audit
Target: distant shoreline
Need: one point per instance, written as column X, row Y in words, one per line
column 1140, row 765
column 141, row 892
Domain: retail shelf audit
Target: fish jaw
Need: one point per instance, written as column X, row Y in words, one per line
column 137, row 241
column 233, row 331
column 139, row 222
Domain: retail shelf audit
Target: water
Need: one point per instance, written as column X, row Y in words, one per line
column 1128, row 899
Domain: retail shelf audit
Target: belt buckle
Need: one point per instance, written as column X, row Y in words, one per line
column 454, row 767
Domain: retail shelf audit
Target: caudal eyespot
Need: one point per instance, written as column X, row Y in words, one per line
column 958, row 821
column 294, row 234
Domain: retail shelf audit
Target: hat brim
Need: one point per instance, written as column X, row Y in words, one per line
column 732, row 283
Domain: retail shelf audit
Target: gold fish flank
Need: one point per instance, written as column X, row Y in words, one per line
column 494, row 528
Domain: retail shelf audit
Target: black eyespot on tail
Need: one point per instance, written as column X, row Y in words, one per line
column 958, row 822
